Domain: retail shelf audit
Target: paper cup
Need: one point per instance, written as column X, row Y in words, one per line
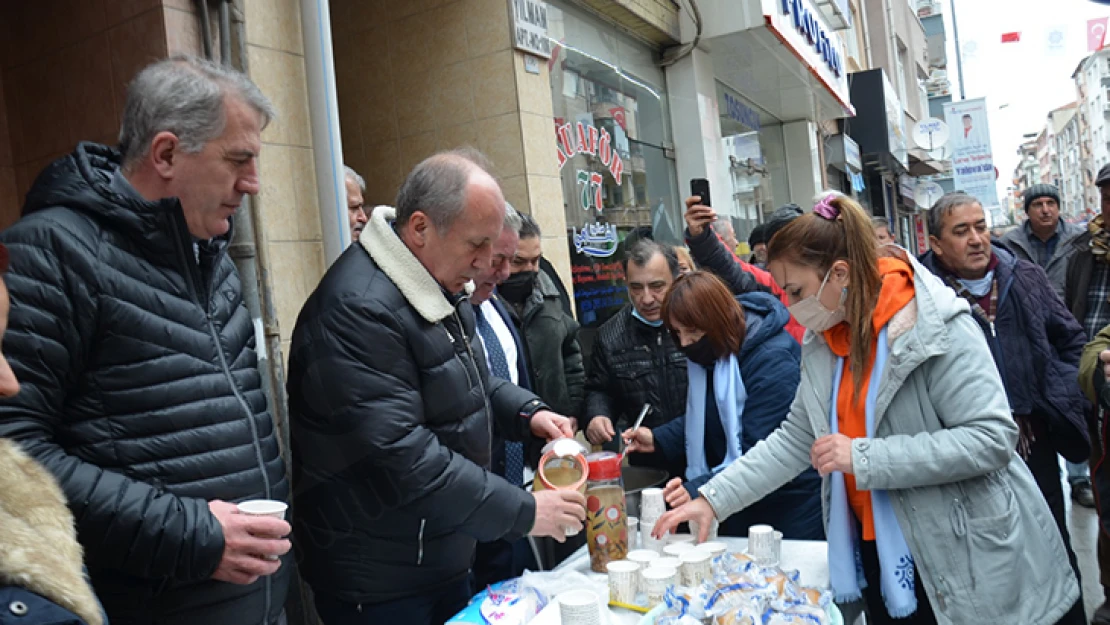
column 713, row 529
column 643, row 557
column 761, row 544
column 776, row 553
column 676, row 550
column 656, row 582
column 713, row 548
column 646, row 539
column 652, row 504
column 666, row 562
column 624, row 581
column 264, row 507
column 695, row 567
column 677, row 539
column 579, row 607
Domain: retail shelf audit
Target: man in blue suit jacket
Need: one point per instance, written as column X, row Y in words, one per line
column 505, row 357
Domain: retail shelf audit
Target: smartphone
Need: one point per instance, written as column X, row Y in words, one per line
column 700, row 187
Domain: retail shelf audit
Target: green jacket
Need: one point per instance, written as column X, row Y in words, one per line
column 982, row 536
column 553, row 353
column 1089, row 366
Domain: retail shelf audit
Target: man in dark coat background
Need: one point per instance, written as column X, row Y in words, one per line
column 392, row 410
column 141, row 392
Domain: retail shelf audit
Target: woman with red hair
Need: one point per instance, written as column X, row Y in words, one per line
column 742, row 373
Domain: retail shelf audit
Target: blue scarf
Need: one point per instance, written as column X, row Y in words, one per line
column 895, row 560
column 728, row 388
column 654, row 324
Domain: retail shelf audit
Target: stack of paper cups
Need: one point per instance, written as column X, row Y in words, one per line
column 646, row 540
column 761, row 544
column 652, row 504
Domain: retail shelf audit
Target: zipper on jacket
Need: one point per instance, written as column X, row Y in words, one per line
column 242, row 403
column 194, row 279
column 420, row 543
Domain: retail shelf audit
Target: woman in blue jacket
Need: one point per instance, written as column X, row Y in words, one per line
column 743, row 372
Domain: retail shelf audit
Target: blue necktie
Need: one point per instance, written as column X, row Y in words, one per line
column 499, row 366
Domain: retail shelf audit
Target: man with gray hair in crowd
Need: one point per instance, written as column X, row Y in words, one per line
column 356, row 207
column 883, row 234
column 141, row 391
column 392, row 407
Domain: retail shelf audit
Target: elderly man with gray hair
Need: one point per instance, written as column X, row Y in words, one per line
column 357, row 216
column 393, row 408
column 140, row 386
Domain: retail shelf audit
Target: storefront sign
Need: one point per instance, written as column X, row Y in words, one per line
column 922, row 241
column 530, row 27
column 851, row 153
column 597, row 240
column 906, row 187
column 740, row 112
column 574, row 139
column 803, row 31
column 896, row 127
column 970, row 142
column 809, row 24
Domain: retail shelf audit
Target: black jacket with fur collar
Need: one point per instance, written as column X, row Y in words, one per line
column 392, row 408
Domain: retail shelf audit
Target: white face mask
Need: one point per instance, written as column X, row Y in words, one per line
column 813, row 315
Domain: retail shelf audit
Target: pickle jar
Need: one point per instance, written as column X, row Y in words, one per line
column 606, row 518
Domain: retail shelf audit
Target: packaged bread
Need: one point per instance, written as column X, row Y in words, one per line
column 739, row 615
column 798, row 615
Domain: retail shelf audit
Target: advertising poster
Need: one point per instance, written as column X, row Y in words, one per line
column 970, row 141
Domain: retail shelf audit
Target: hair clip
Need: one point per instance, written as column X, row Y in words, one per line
column 825, row 209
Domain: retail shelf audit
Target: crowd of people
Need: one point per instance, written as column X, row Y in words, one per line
column 909, row 411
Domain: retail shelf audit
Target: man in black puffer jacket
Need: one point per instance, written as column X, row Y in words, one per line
column 129, row 335
column 635, row 360
column 392, row 411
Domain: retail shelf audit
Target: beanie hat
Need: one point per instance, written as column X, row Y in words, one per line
column 1039, row 191
column 782, row 216
column 1103, row 176
column 757, row 235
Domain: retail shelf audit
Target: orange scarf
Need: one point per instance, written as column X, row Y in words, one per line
column 896, row 291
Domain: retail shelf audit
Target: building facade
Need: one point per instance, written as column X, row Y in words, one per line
column 1073, row 205
column 1092, row 88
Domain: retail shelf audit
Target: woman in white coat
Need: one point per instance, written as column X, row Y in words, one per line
column 902, row 411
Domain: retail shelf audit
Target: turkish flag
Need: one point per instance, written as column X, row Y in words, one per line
column 1096, row 34
column 618, row 116
column 1011, row 37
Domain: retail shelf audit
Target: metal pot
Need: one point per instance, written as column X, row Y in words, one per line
column 637, row 479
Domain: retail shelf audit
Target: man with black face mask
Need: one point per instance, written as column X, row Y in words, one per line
column 550, row 334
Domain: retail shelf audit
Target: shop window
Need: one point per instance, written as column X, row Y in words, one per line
column 610, row 129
